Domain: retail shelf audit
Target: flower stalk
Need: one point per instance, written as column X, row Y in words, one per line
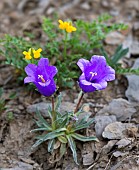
column 79, row 101
column 53, row 113
column 65, row 46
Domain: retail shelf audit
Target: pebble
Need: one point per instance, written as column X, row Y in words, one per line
column 132, row 92
column 114, row 38
column 117, row 130
column 101, row 123
column 120, row 107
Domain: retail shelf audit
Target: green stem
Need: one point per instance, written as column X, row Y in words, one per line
column 79, row 101
column 53, row 114
column 65, row 46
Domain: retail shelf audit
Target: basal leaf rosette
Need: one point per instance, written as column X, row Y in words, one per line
column 95, row 74
column 42, row 75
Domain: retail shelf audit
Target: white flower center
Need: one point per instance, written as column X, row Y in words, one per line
column 41, row 77
column 93, row 74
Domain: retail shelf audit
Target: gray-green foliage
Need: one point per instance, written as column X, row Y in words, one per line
column 63, row 128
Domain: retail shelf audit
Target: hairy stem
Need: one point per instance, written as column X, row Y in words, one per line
column 78, row 104
column 53, row 113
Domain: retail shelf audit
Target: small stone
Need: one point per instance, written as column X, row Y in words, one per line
column 136, row 26
column 132, row 92
column 119, row 153
column 121, row 108
column 41, row 107
column 117, row 130
column 101, row 123
column 106, row 149
column 135, row 48
column 25, row 166
column 123, row 142
column 85, row 6
column 114, row 38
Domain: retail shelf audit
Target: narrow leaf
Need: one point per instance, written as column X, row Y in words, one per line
column 83, row 138
column 85, row 125
column 73, row 148
column 62, row 139
column 62, row 149
column 58, row 102
column 39, row 129
column 43, row 120
column 51, row 145
column 50, row 135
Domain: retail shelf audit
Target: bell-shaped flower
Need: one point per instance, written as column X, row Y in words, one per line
column 95, row 74
column 42, row 75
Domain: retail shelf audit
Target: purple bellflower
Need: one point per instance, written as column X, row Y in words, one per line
column 95, row 74
column 42, row 76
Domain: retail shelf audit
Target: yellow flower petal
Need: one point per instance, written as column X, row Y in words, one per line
column 27, row 54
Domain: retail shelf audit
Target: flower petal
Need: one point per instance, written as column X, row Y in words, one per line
column 48, row 89
column 100, row 86
column 47, row 70
column 110, row 74
column 29, row 79
column 83, row 63
column 30, row 69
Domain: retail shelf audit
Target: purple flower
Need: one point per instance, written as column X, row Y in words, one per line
column 95, row 74
column 42, row 76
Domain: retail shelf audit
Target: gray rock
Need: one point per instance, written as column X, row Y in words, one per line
column 117, row 130
column 43, row 108
column 135, row 48
column 132, row 92
column 21, row 166
column 114, row 38
column 123, row 142
column 101, row 123
column 121, row 108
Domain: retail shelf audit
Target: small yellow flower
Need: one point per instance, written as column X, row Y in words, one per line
column 66, row 26
column 36, row 53
column 27, row 54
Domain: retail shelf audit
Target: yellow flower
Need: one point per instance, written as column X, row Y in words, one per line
column 37, row 53
column 27, row 54
column 66, row 26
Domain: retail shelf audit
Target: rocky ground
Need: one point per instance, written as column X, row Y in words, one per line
column 116, row 109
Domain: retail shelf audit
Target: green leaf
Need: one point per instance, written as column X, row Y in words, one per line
column 62, row 139
column 84, row 125
column 58, row 102
column 39, row 129
column 119, row 53
column 50, row 112
column 73, row 148
column 50, row 135
column 41, row 119
column 51, row 145
column 83, row 138
column 62, row 149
